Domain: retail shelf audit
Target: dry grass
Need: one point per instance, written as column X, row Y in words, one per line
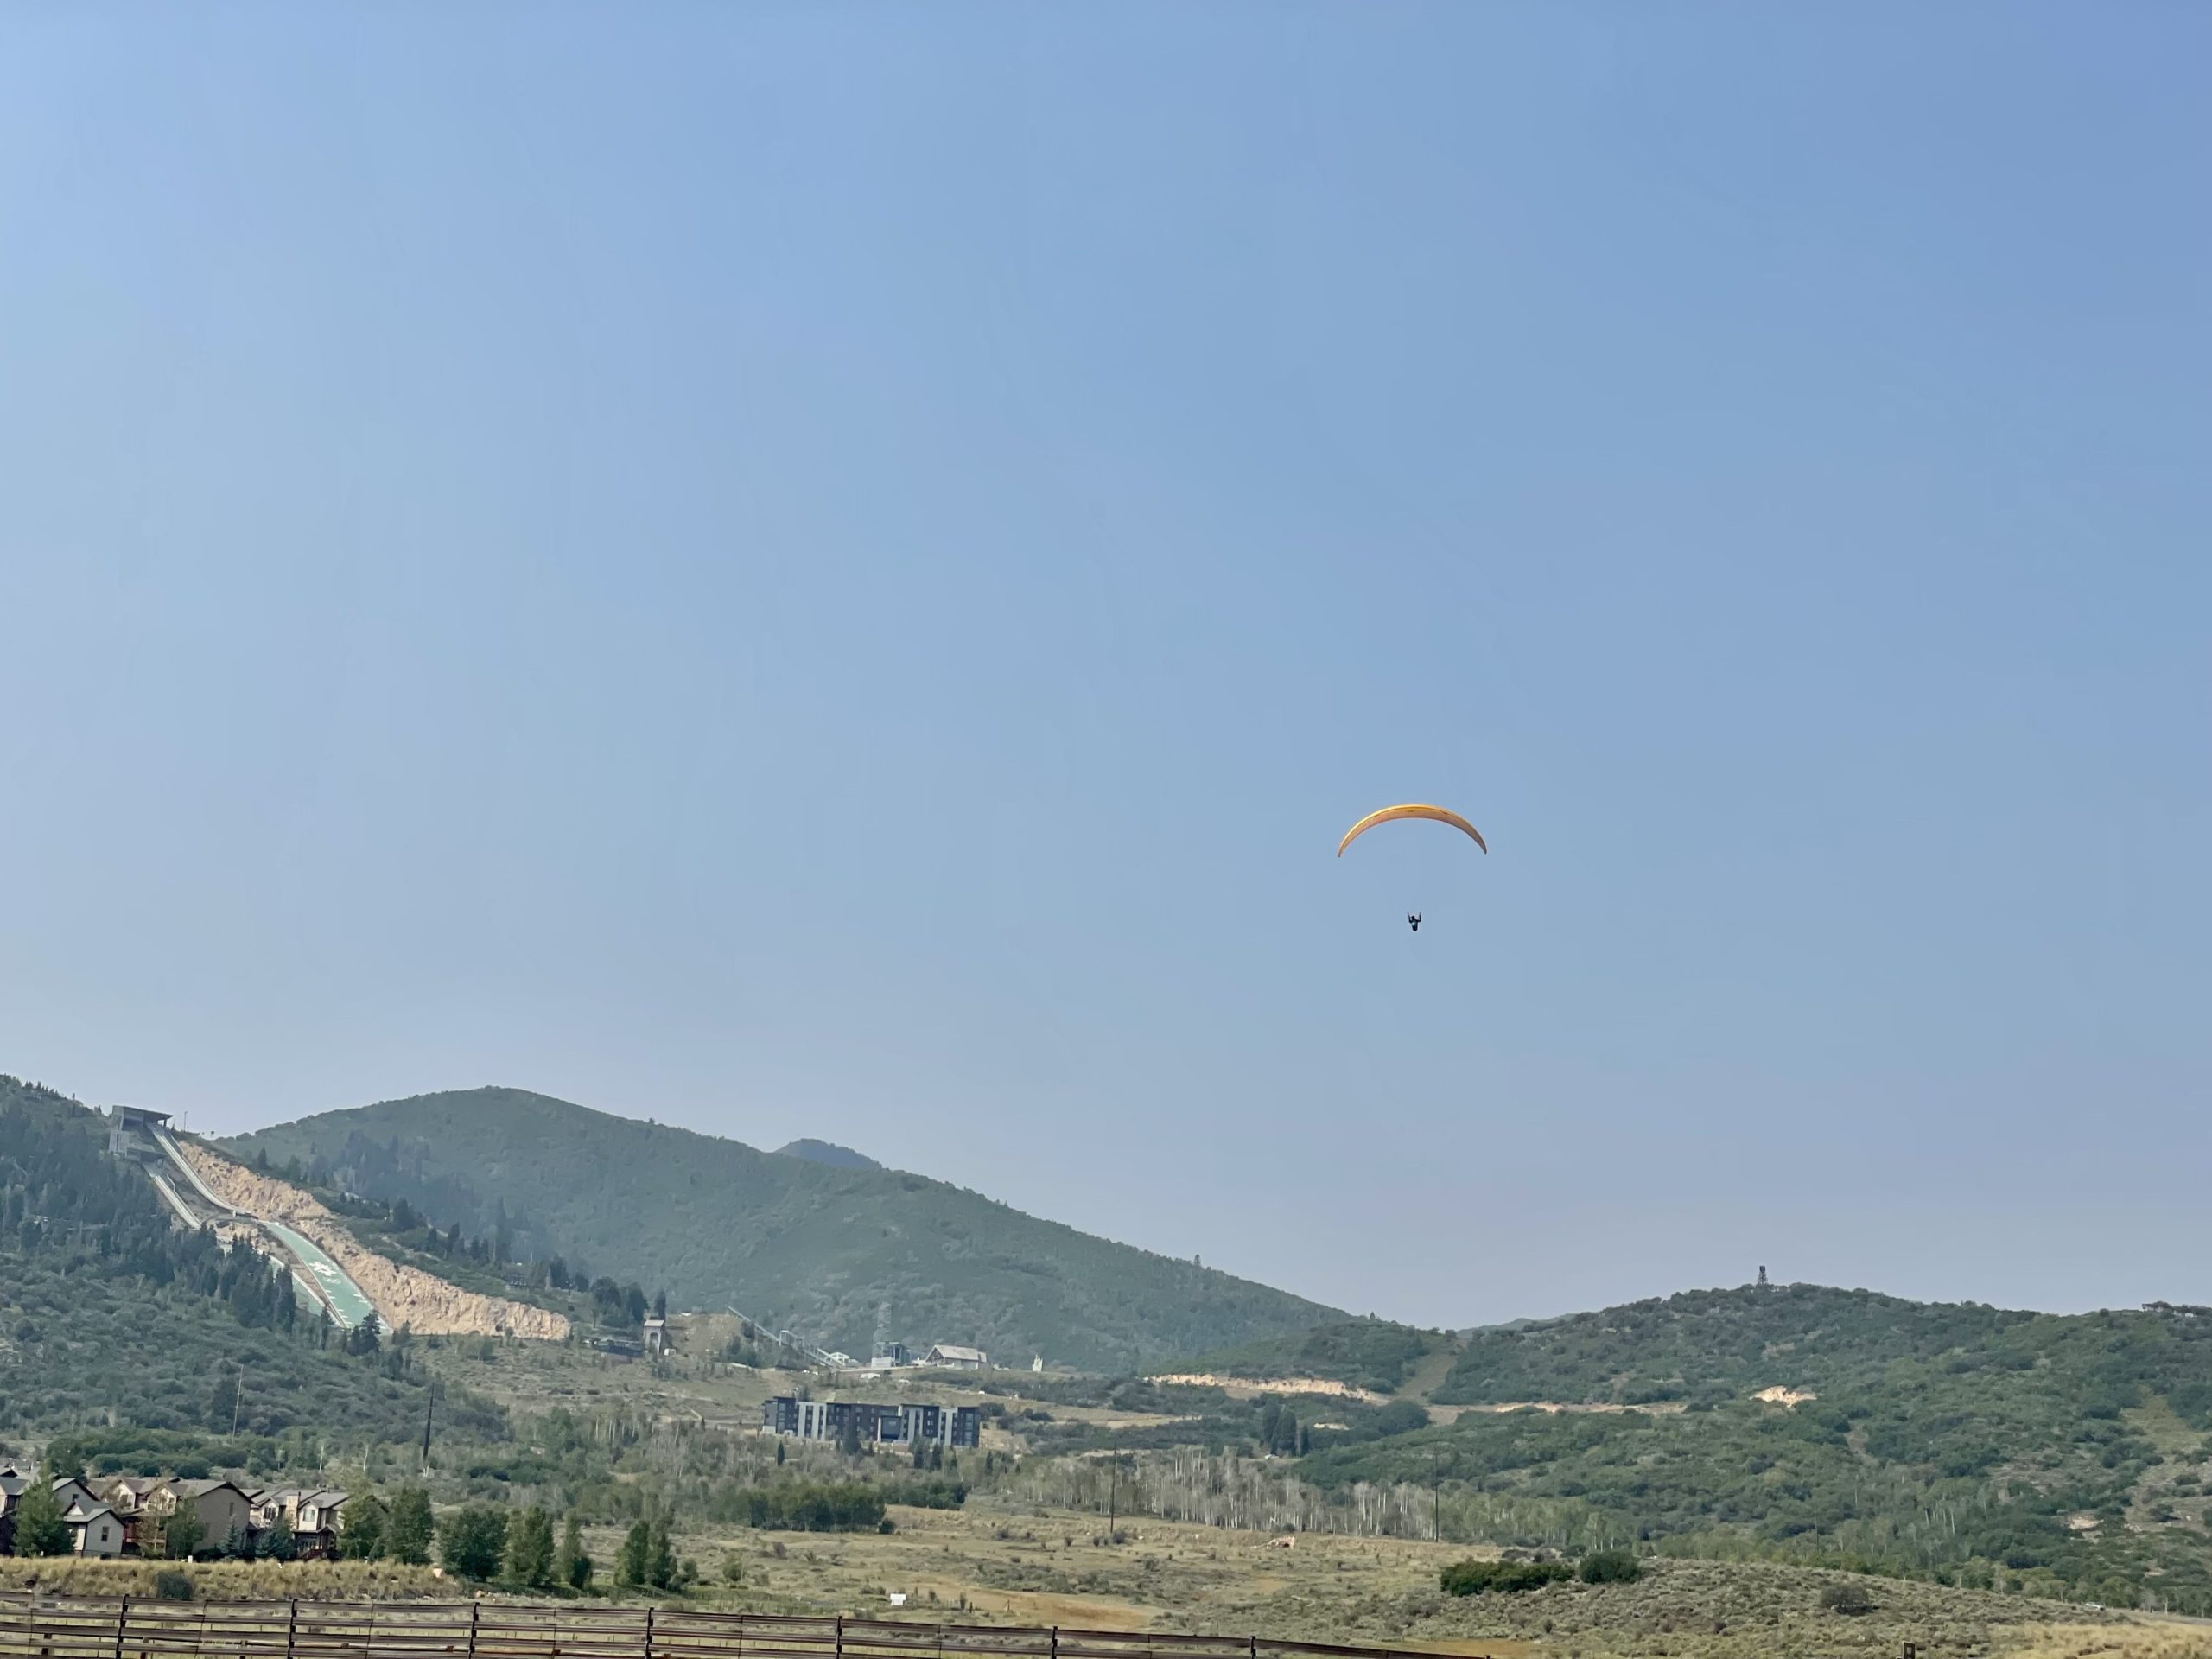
column 995, row 1565
column 2137, row 1639
column 1004, row 1566
column 1708, row 1610
column 231, row 1580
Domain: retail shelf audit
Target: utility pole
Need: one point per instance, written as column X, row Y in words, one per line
column 1113, row 1482
column 429, row 1405
column 238, row 1399
column 1435, row 1521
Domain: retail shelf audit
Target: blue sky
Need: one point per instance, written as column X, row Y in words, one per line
column 840, row 570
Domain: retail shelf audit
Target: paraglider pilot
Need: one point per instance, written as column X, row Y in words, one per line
column 1413, row 922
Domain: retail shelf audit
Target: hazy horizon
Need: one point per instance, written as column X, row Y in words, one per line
column 840, row 571
column 762, row 1144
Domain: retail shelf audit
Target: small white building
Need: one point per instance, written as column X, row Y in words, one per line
column 948, row 1355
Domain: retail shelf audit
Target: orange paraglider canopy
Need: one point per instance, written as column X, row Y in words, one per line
column 1391, row 813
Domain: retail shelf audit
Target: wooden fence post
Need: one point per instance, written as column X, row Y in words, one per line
column 475, row 1612
column 122, row 1614
column 292, row 1628
column 649, row 1633
column 840, row 1633
column 1056, row 1641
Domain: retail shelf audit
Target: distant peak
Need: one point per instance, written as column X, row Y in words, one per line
column 823, row 1152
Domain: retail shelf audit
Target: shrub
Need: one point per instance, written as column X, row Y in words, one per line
column 812, row 1506
column 1611, row 1567
column 1848, row 1598
column 173, row 1584
column 1505, row 1578
column 936, row 1493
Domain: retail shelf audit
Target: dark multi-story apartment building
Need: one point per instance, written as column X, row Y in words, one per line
column 902, row 1425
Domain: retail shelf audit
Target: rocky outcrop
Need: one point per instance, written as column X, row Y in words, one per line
column 424, row 1303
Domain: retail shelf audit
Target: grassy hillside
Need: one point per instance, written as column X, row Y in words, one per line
column 1372, row 1354
column 1988, row 1446
column 841, row 1255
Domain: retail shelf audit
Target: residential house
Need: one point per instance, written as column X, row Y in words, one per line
column 224, row 1511
column 951, row 1357
column 321, row 1519
column 126, row 1495
column 316, row 1514
column 68, row 1490
column 95, row 1528
column 72, row 1494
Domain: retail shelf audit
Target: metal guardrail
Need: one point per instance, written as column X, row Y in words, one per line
column 38, row 1626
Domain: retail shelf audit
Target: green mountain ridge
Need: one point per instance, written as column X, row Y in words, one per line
column 1975, row 1444
column 2067, row 1455
column 842, row 1257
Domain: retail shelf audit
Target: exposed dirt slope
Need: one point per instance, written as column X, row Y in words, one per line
column 424, row 1303
column 1248, row 1388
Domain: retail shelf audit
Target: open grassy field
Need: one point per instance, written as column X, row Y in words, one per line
column 994, row 1564
column 999, row 1564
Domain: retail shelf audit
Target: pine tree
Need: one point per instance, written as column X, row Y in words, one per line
column 223, row 1402
column 635, row 1559
column 529, row 1549
column 660, row 1556
column 575, row 1565
column 39, row 1529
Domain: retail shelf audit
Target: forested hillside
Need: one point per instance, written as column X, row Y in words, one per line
column 1956, row 1439
column 111, row 1318
column 844, row 1256
column 1721, row 1345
